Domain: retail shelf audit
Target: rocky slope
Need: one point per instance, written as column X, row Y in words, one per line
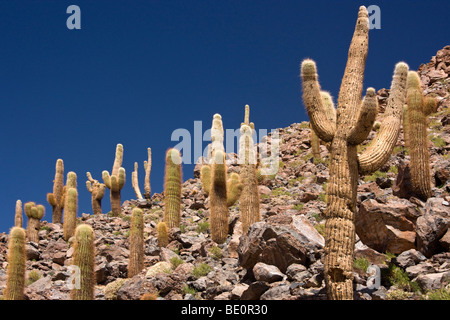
column 281, row 257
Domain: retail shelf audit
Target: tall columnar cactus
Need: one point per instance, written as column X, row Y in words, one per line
column 249, row 199
column 18, row 217
column 416, row 131
column 172, row 189
column 136, row 243
column 15, row 281
column 84, row 259
column 34, row 213
column 115, row 181
column 135, row 182
column 218, row 198
column 97, row 191
column 70, row 213
column 148, row 169
column 56, row 199
column 353, row 123
column 163, row 234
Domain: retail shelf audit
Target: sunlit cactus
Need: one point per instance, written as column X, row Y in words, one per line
column 56, row 199
column 97, row 191
column 15, row 279
column 136, row 243
column 172, row 189
column 18, row 217
column 70, row 213
column 34, row 213
column 115, row 181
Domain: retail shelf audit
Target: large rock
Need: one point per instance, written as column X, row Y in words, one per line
column 280, row 241
column 387, row 227
column 409, row 258
column 433, row 281
column 432, row 226
column 267, row 273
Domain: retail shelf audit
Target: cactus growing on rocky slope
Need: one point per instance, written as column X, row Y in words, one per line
column 34, row 213
column 18, row 217
column 15, row 281
column 56, row 199
column 218, row 198
column 417, row 108
column 70, row 214
column 135, row 182
column 172, row 189
column 136, row 243
column 97, row 191
column 148, row 169
column 353, row 123
column 84, row 259
column 115, row 181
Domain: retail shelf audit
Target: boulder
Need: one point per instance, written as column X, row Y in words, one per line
column 409, row 258
column 433, row 281
column 267, row 273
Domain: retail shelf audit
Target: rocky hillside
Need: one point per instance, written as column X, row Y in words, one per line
column 281, row 257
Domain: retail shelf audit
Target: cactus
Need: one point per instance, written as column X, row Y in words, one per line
column 315, row 145
column 218, row 198
column 70, row 213
column 71, row 181
column 172, row 189
column 163, row 234
column 148, row 169
column 416, row 131
column 18, row 218
column 234, row 189
column 249, row 199
column 97, row 191
column 56, row 199
column 353, row 123
column 84, row 259
column 115, row 181
column 136, row 243
column 135, row 182
column 15, row 281
column 34, row 213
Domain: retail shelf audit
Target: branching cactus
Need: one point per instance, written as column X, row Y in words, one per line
column 353, row 123
column 97, row 191
column 84, row 259
column 18, row 217
column 15, row 280
column 56, row 199
column 115, row 181
column 70, row 213
column 136, row 243
column 163, row 234
column 415, row 119
column 249, row 199
column 172, row 189
column 34, row 213
column 330, row 113
column 148, row 169
column 135, row 182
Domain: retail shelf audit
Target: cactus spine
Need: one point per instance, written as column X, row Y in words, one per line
column 70, row 213
column 415, row 117
column 97, row 191
column 115, row 181
column 84, row 259
column 56, row 199
column 136, row 243
column 163, row 234
column 353, row 123
column 172, row 189
column 18, row 218
column 15, row 281
column 34, row 213
column 148, row 169
column 249, row 199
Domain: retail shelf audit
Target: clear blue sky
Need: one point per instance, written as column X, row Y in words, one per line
column 138, row 70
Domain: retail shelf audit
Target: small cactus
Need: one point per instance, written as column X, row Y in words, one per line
column 15, row 280
column 163, row 234
column 56, row 199
column 97, row 191
column 172, row 189
column 34, row 213
column 18, row 218
column 205, row 178
column 115, row 181
column 136, row 243
column 84, row 259
column 70, row 213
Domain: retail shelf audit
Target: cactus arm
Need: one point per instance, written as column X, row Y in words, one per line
column 313, row 102
column 118, row 159
column 205, row 178
column 135, row 182
column 89, row 186
column 18, row 218
column 148, row 169
column 106, row 179
column 234, row 189
column 380, row 149
column 366, row 118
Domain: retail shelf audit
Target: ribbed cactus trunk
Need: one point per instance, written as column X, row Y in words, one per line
column 315, row 145
column 172, row 189
column 34, row 213
column 136, row 243
column 218, row 198
column 18, row 217
column 115, row 181
column 416, row 128
column 56, row 199
column 84, row 259
column 163, row 234
column 135, row 182
column 353, row 123
column 70, row 215
column 148, row 169
column 15, row 280
column 97, row 191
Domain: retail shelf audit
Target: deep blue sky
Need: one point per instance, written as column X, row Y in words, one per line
column 138, row 70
